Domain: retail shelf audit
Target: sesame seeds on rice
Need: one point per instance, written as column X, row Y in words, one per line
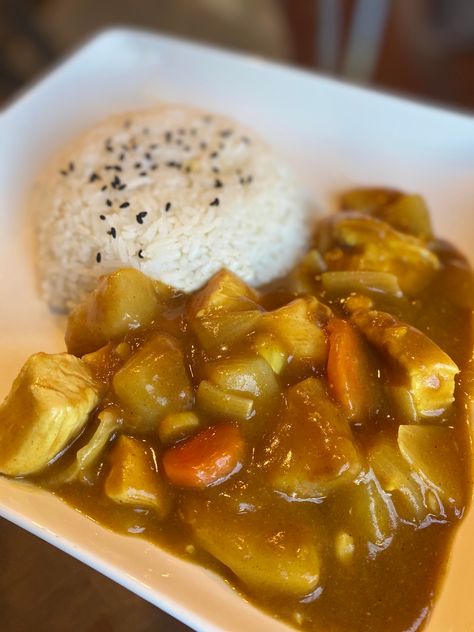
column 172, row 191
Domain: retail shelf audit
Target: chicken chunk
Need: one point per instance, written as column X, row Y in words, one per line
column 48, row 405
column 133, row 478
column 360, row 242
column 427, row 370
column 311, row 450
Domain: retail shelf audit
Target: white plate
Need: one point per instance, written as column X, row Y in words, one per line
column 335, row 135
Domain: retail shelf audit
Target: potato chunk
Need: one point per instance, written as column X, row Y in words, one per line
column 428, row 371
column 48, row 405
column 266, row 552
column 133, row 478
column 311, row 450
column 123, row 301
column 154, row 383
column 224, row 311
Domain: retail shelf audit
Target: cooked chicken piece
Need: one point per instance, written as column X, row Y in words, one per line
column 360, row 242
column 428, row 371
column 133, row 478
column 48, row 405
column 311, row 451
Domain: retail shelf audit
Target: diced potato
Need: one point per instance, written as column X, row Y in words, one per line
column 404, row 212
column 311, row 451
column 408, row 214
column 177, row 425
column 403, row 404
column 123, row 301
column 243, row 375
column 397, row 478
column 221, row 403
column 367, row 199
column 432, row 452
column 428, row 371
column 345, row 282
column 153, row 383
column 298, row 327
column 133, row 478
column 267, row 555
column 48, row 405
column 224, row 311
column 271, row 351
column 373, row 516
column 366, row 243
column 344, row 547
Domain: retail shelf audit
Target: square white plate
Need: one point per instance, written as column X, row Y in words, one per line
column 335, row 135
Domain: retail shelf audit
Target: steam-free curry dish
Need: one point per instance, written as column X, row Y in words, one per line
column 308, row 441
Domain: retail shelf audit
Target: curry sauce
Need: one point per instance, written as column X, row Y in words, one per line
column 308, row 441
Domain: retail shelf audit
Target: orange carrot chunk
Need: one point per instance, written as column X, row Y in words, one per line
column 351, row 375
column 209, row 456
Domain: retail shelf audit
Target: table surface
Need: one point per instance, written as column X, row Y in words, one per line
column 45, row 590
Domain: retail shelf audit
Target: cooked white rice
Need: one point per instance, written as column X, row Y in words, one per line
column 173, row 191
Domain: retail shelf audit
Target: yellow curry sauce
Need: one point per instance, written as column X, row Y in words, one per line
column 302, row 440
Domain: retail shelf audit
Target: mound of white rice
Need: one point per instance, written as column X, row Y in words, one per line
column 173, row 191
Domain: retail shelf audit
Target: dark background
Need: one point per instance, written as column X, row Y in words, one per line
column 421, row 48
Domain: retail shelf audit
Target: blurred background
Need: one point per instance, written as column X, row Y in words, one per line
column 421, row 48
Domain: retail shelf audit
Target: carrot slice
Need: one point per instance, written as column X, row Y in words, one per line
column 351, row 376
column 209, row 456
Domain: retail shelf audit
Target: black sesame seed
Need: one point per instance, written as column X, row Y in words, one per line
column 148, row 156
column 214, row 154
column 207, row 119
column 172, row 163
column 242, row 180
column 63, row 172
column 153, row 167
column 102, row 217
column 124, row 205
column 168, row 137
column 122, row 187
column 104, row 188
column 246, row 140
column 187, row 148
column 140, row 254
column 187, row 169
column 112, row 232
column 108, row 202
column 168, row 206
column 181, row 131
column 93, row 177
column 218, row 184
column 71, row 166
column 127, row 124
column 153, row 146
column 203, row 145
column 226, row 133
column 122, row 156
column 137, row 165
column 249, row 179
column 215, row 202
column 143, row 174
column 179, row 141
column 215, row 169
column 98, row 257
column 141, row 216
